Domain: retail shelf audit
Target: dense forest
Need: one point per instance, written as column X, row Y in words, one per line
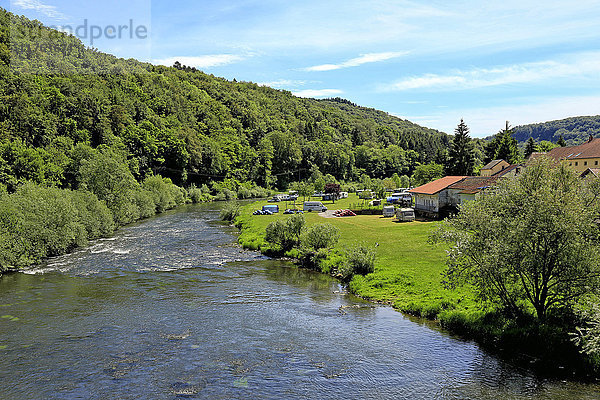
column 575, row 130
column 180, row 122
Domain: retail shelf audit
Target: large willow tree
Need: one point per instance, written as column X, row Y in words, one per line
column 531, row 244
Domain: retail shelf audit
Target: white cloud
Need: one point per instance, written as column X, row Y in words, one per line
column 580, row 65
column 362, row 59
column 317, row 92
column 36, row 5
column 207, row 61
column 283, row 83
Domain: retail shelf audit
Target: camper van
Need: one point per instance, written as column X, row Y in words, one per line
column 389, row 211
column 271, row 207
column 405, row 214
column 314, row 206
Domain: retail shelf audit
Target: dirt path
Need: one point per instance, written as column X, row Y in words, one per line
column 327, row 214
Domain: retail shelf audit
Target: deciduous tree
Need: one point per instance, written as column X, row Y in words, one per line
column 530, row 245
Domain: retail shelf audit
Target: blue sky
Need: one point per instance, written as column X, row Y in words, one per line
column 431, row 62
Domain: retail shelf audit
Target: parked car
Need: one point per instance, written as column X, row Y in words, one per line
column 292, row 211
column 314, row 206
column 389, row 211
column 344, row 213
column 261, row 212
column 405, row 214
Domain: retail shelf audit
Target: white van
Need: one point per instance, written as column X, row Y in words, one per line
column 314, row 206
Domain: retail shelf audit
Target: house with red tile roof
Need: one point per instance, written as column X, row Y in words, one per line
column 470, row 188
column 580, row 157
column 432, row 199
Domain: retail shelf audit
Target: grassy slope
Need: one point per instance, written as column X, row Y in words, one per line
column 408, row 271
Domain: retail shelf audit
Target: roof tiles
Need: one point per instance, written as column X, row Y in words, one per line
column 590, row 149
column 437, row 185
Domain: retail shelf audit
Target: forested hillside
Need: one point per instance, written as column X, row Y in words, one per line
column 193, row 127
column 574, row 130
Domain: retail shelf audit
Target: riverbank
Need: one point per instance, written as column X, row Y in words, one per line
column 409, row 276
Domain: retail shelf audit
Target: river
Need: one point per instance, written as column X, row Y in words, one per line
column 172, row 308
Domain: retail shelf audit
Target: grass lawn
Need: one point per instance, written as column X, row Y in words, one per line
column 408, row 270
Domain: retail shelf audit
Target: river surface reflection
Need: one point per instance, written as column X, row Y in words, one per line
column 172, row 308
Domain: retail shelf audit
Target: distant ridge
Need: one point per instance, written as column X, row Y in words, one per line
column 574, row 130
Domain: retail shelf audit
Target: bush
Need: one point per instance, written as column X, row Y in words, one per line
column 94, row 214
column 361, row 259
column 226, row 195
column 195, row 194
column 321, row 236
column 144, row 202
column 230, row 212
column 163, row 192
column 38, row 222
column 286, row 234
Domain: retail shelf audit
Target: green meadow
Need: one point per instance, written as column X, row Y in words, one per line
column 408, row 269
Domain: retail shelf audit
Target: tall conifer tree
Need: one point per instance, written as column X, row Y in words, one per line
column 530, row 147
column 461, row 157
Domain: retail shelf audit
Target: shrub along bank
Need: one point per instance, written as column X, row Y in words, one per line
column 408, row 274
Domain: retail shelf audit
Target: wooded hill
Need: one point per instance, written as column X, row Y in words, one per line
column 575, row 130
column 193, row 127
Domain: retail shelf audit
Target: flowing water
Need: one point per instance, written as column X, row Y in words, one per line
column 171, row 308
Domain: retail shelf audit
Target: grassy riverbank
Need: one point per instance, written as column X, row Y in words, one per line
column 408, row 275
column 407, row 271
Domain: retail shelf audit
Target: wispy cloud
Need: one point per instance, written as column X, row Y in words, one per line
column 579, row 65
column 317, row 92
column 36, row 5
column 283, row 83
column 206, row 61
column 355, row 62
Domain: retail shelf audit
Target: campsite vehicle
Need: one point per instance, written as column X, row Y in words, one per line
column 404, row 198
column 389, row 211
column 328, row 197
column 278, row 198
column 343, row 195
column 271, row 207
column 314, row 206
column 405, row 214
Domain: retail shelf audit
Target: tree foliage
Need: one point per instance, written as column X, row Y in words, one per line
column 575, row 130
column 461, row 157
column 530, row 148
column 427, row 173
column 532, row 244
column 503, row 146
column 186, row 125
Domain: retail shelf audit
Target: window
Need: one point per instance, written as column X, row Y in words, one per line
column 575, row 163
column 596, row 162
column 585, row 163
